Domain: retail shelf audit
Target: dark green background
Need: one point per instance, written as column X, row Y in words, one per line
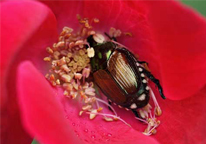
column 199, row 5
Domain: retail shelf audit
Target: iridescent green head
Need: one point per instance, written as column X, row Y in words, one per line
column 102, row 52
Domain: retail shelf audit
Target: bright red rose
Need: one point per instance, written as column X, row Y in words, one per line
column 166, row 34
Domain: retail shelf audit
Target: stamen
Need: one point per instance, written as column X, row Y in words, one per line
column 155, row 102
column 146, row 113
column 106, row 104
column 48, row 59
column 150, row 131
column 141, row 120
column 108, row 119
column 109, row 115
column 93, row 114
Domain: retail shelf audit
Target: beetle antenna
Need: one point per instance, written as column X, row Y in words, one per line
column 121, row 45
column 108, row 35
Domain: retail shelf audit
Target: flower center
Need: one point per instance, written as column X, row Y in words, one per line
column 71, row 65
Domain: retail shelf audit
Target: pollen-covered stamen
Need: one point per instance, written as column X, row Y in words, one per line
column 151, row 128
column 109, row 115
column 69, row 63
column 114, row 32
column 107, row 105
column 150, row 120
column 157, row 109
column 93, row 114
column 142, row 120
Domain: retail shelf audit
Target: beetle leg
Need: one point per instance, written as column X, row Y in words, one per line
column 110, row 103
column 156, row 81
column 135, row 113
column 142, row 62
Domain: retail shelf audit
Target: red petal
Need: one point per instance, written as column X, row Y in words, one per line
column 180, row 35
column 66, row 12
column 98, row 130
column 27, row 28
column 183, row 122
column 42, row 114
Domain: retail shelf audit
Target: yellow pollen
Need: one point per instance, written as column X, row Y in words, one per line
column 96, row 20
column 48, row 59
column 49, row 50
column 99, row 109
column 128, row 34
column 158, row 111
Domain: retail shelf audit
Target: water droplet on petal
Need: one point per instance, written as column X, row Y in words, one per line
column 86, row 130
column 107, row 139
column 73, row 124
column 109, row 134
column 93, row 136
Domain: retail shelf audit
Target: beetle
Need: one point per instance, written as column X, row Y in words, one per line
column 120, row 75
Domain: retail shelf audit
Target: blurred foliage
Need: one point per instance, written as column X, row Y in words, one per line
column 199, row 5
column 34, row 142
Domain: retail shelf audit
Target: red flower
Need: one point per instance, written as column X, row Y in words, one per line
column 168, row 35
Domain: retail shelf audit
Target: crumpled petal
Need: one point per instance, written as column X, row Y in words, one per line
column 180, row 34
column 26, row 29
column 42, row 113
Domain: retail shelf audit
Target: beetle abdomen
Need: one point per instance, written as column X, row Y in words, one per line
column 122, row 72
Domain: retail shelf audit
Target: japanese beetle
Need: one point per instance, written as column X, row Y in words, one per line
column 120, row 75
